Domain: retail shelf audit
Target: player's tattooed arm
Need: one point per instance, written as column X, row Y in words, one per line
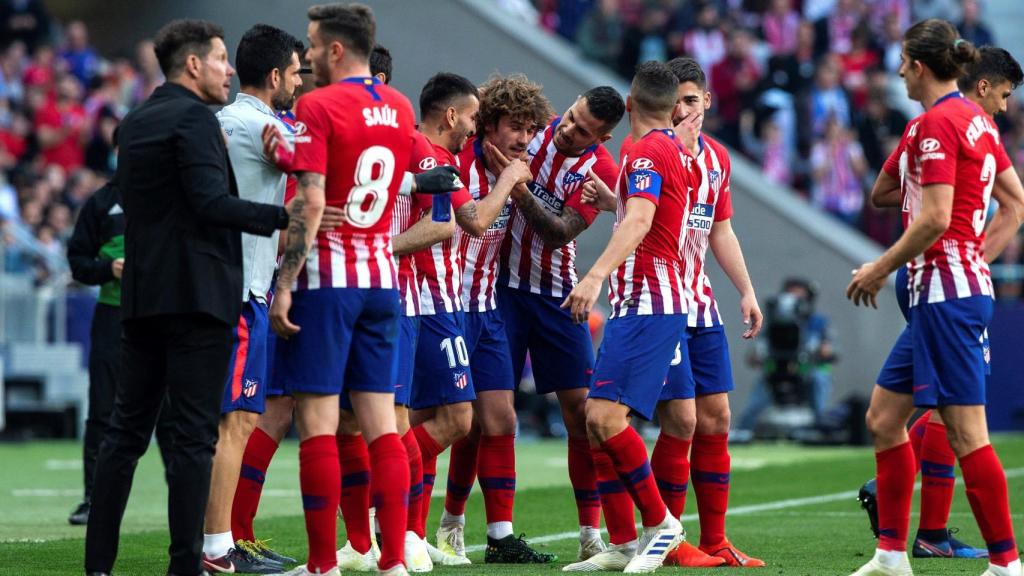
column 423, row 234
column 555, row 230
column 306, row 211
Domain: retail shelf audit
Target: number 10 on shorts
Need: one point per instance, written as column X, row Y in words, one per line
column 457, row 351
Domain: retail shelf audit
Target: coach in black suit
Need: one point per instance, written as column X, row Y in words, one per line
column 180, row 290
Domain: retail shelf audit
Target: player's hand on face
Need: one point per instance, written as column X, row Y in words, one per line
column 518, row 171
column 688, row 129
column 752, row 316
column 494, row 157
column 279, row 309
column 866, row 283
column 582, row 298
column 596, row 192
column 333, row 217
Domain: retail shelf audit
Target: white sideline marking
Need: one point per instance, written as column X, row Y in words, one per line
column 745, row 510
column 55, row 464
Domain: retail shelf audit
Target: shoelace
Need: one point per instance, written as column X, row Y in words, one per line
column 249, row 551
column 522, row 547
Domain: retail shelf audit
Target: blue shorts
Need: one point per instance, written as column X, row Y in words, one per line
column 561, row 352
column 401, row 369
column 903, row 292
column 701, row 369
column 941, row 357
column 247, row 373
column 441, row 374
column 347, row 341
column 274, row 387
column 634, row 359
column 490, row 360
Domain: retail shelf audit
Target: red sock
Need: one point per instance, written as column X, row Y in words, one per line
column 710, row 465
column 895, row 491
column 258, row 452
column 319, row 477
column 429, row 450
column 916, row 433
column 355, row 490
column 670, row 463
column 584, row 482
column 497, row 464
column 629, row 455
column 389, row 486
column 461, row 474
column 615, row 501
column 412, row 448
column 986, row 491
column 937, row 479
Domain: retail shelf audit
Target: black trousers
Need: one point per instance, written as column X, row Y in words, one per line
column 184, row 357
column 104, row 365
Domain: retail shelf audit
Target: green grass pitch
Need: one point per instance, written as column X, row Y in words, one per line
column 792, row 506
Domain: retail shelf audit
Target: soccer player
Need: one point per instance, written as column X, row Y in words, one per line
column 341, row 325
column 644, row 265
column 276, row 419
column 512, row 109
column 538, row 270
column 268, row 72
column 442, row 381
column 694, row 407
column 953, row 157
column 410, row 233
column 988, row 83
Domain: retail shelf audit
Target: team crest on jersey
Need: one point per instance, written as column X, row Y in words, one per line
column 643, row 164
column 250, row 387
column 428, row 163
column 571, row 182
column 715, row 178
column 461, row 380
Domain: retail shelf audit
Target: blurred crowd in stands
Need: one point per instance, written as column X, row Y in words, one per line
column 807, row 89
column 60, row 101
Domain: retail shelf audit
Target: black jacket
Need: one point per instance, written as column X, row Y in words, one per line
column 183, row 216
column 98, row 239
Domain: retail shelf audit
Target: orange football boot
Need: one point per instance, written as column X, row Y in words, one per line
column 732, row 556
column 687, row 555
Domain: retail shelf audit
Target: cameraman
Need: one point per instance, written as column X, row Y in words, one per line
column 798, row 346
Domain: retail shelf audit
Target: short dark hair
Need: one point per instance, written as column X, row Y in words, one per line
column 179, row 39
column 261, row 49
column 655, row 88
column 380, row 62
column 442, row 90
column 996, row 65
column 937, row 44
column 351, row 24
column 606, row 104
column 687, row 69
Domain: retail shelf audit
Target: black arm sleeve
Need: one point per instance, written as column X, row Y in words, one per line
column 202, row 164
column 84, row 246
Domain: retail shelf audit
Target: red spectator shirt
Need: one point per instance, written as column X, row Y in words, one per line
column 69, row 153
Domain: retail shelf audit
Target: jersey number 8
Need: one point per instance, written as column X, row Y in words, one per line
column 369, row 197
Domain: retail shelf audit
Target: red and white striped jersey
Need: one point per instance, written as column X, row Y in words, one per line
column 480, row 255
column 359, row 134
column 953, row 143
column 650, row 281
column 527, row 262
column 711, row 202
column 438, row 268
column 408, row 210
